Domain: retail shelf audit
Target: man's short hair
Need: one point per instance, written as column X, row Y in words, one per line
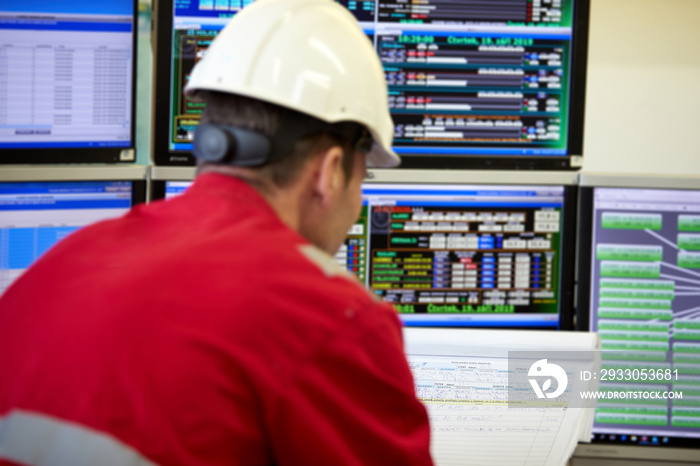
column 264, row 117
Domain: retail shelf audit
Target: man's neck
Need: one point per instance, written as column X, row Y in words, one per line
column 286, row 202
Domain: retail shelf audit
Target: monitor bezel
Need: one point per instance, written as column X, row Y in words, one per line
column 157, row 189
column 642, row 454
column 161, row 42
column 87, row 154
column 583, row 270
column 162, row 28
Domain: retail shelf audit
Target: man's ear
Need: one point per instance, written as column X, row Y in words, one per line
column 329, row 175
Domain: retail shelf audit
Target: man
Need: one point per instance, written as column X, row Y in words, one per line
column 215, row 328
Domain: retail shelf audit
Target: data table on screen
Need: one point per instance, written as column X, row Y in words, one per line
column 66, row 78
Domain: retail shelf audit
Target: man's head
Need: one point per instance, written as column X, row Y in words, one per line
column 315, row 187
column 304, row 77
column 265, row 118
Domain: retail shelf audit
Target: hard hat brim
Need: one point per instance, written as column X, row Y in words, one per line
column 379, row 157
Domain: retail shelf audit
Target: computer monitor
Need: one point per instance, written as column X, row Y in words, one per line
column 471, row 84
column 454, row 248
column 67, row 82
column 36, row 213
column 639, row 282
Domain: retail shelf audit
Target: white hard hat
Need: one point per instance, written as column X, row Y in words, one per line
column 307, row 55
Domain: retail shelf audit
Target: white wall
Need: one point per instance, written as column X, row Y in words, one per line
column 643, row 90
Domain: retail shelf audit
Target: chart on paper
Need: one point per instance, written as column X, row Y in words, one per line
column 467, row 401
column 461, row 376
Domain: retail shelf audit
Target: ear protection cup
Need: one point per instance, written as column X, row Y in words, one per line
column 212, row 143
column 236, row 146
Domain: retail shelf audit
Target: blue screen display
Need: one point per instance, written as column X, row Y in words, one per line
column 83, row 7
column 69, row 73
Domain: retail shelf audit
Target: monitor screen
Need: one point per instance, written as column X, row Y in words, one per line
column 640, row 279
column 36, row 215
column 470, row 83
column 466, row 255
column 67, row 81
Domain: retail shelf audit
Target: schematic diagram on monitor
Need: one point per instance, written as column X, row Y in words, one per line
column 644, row 296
